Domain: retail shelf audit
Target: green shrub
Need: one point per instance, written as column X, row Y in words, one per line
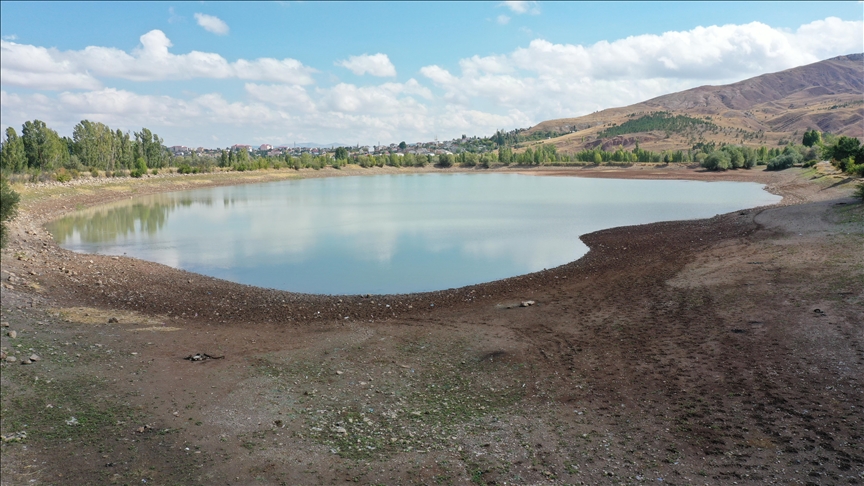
column 185, row 169
column 62, row 175
column 717, row 160
column 786, row 159
column 94, row 172
column 8, row 207
column 445, row 161
column 859, row 192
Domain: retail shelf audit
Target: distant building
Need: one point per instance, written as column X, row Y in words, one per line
column 265, row 146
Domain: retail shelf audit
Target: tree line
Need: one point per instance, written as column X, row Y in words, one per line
column 93, row 146
column 845, row 153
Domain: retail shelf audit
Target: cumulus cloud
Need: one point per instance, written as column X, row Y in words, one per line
column 375, row 64
column 385, row 98
column 212, row 24
column 36, row 67
column 49, row 68
column 281, row 102
column 503, row 19
column 521, row 7
column 291, row 97
column 549, row 80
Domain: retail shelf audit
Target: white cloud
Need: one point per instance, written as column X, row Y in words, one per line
column 10, row 37
column 291, row 97
column 521, row 7
column 503, row 19
column 212, row 24
column 280, row 102
column 381, row 99
column 375, row 64
column 547, row 80
column 36, row 67
column 49, row 68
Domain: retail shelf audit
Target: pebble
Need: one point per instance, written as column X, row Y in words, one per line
column 26, row 362
column 35, row 357
column 12, row 334
column 11, row 359
column 527, row 303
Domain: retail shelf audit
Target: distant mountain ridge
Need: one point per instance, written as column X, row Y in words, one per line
column 764, row 110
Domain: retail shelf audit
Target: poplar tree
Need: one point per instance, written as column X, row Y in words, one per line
column 12, row 157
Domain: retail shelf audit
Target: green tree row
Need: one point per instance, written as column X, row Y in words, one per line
column 93, row 146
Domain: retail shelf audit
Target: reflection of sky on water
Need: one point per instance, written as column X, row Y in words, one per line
column 388, row 234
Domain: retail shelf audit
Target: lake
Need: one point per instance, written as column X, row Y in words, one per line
column 387, row 233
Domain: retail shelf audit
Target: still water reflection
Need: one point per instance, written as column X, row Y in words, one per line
column 390, row 233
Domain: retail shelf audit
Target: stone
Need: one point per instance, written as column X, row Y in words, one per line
column 35, row 357
column 12, row 334
column 26, row 362
column 113, row 320
column 340, row 430
column 11, row 359
column 527, row 303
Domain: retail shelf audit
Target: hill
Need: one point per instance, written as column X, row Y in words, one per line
column 770, row 110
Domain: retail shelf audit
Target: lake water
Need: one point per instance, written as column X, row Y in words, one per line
column 387, row 233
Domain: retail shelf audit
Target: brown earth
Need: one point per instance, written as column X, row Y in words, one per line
column 684, row 352
column 772, row 109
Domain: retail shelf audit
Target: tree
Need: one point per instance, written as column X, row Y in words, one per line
column 342, row 153
column 403, row 145
column 123, row 150
column 149, row 146
column 8, row 207
column 12, row 156
column 499, row 138
column 844, row 148
column 42, row 146
column 223, row 159
column 717, row 160
column 94, row 144
column 811, row 138
column 787, row 159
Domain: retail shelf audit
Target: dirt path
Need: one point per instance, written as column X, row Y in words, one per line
column 690, row 352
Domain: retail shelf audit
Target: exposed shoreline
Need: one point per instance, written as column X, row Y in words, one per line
column 718, row 308
column 286, row 306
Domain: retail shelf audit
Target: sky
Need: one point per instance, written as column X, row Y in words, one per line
column 222, row 73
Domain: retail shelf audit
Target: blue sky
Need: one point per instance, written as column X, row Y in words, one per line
column 363, row 72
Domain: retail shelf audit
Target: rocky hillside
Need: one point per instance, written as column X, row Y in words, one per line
column 766, row 110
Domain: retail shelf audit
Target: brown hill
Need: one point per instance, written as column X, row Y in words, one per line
column 770, row 109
